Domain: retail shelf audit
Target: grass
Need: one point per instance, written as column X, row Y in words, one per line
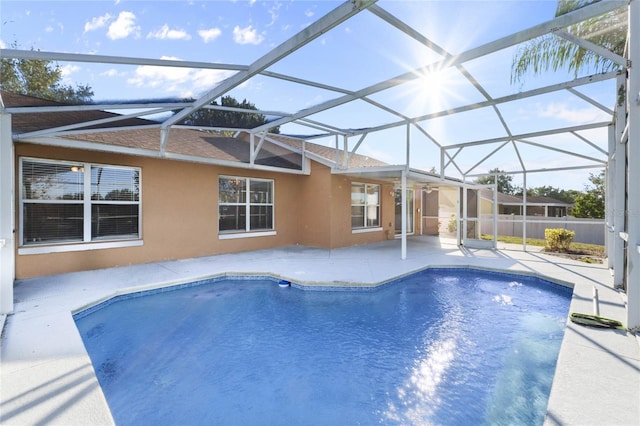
column 579, row 248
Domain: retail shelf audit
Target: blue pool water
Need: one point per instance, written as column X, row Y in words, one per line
column 446, row 347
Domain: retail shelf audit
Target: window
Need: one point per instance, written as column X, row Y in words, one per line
column 365, row 205
column 241, row 213
column 64, row 202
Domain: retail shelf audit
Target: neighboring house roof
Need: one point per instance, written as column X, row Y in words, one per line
column 182, row 141
column 547, row 201
column 507, row 199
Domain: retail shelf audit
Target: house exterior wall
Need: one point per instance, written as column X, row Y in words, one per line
column 341, row 233
column 325, row 213
column 314, row 213
column 180, row 212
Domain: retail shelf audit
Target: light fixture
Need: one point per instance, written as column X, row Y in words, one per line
column 77, row 169
column 428, row 189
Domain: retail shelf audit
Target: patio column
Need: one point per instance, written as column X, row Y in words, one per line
column 609, row 195
column 465, row 211
column 7, row 209
column 495, row 214
column 524, row 211
column 619, row 188
column 403, row 212
column 633, row 212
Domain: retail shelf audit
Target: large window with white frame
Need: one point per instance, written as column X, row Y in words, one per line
column 67, row 202
column 365, row 205
column 245, row 205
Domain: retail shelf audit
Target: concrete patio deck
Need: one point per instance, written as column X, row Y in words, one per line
column 47, row 378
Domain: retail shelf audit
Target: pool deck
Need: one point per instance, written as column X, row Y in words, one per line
column 46, row 376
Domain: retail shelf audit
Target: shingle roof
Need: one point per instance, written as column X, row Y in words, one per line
column 191, row 142
column 31, row 122
column 517, row 199
column 195, row 143
column 329, row 153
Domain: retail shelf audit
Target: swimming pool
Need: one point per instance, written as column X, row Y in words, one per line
column 438, row 347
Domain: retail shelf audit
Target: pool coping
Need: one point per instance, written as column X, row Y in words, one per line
column 302, row 285
column 43, row 357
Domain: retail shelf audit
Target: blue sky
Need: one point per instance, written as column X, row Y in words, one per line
column 354, row 55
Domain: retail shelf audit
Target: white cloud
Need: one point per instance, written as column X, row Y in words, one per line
column 247, row 35
column 48, row 29
column 210, row 34
column 112, row 72
column 97, row 22
column 273, row 11
column 67, row 70
column 562, row 111
column 165, row 33
column 2, row 45
column 123, row 26
column 309, row 13
column 179, row 81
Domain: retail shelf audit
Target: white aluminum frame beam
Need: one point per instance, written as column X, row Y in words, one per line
column 121, row 60
column 310, row 33
column 552, row 169
column 619, row 181
column 599, row 50
column 591, row 11
column 399, row 24
column 590, row 100
column 94, row 107
column 562, row 151
column 7, row 215
column 61, row 129
column 504, row 99
column 530, row 135
column 633, row 170
column 588, row 142
column 24, row 138
column 486, row 157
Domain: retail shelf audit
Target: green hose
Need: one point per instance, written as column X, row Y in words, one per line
column 595, row 321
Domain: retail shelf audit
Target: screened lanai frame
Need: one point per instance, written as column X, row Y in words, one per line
column 622, row 206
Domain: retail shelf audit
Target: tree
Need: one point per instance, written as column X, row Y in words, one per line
column 232, row 119
column 566, row 195
column 590, row 204
column 552, row 52
column 41, row 79
column 504, row 181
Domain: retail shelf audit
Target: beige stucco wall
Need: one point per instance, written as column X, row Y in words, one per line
column 325, row 214
column 180, row 213
column 341, row 234
column 314, row 209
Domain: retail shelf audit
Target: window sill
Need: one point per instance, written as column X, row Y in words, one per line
column 363, row 230
column 78, row 247
column 236, row 235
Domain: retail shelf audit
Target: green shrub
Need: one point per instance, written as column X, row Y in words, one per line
column 452, row 226
column 558, row 239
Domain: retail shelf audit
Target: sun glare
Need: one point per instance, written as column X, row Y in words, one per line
column 428, row 92
column 433, row 85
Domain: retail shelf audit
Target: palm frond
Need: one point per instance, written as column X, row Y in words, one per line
column 552, row 53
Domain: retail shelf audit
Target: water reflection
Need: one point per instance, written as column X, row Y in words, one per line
column 419, row 398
